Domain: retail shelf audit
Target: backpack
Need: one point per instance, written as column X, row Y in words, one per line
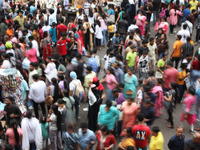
column 162, row 13
column 79, row 88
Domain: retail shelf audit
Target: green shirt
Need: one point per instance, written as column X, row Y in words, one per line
column 131, row 57
column 39, row 71
column 44, row 128
column 61, row 68
column 161, row 64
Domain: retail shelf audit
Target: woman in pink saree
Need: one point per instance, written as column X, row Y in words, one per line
column 130, row 110
column 140, row 22
column 159, row 98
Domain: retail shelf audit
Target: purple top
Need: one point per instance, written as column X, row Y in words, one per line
column 61, row 85
column 120, row 99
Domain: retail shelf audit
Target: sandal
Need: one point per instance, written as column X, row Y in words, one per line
column 170, row 126
column 197, row 129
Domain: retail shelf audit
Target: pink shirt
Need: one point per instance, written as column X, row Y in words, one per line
column 32, row 55
column 173, row 18
column 11, row 136
column 111, row 80
column 103, row 25
column 169, row 75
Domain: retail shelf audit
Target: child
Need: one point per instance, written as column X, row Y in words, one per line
column 111, row 30
column 61, row 67
column 44, row 127
column 139, row 96
column 63, row 112
column 144, row 66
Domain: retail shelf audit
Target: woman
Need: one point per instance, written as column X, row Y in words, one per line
column 19, row 54
column 95, row 100
column 105, row 140
column 130, row 84
column 189, row 106
column 53, row 90
column 62, row 83
column 169, row 102
column 69, row 100
column 162, row 45
column 120, row 15
column 98, row 34
column 130, row 110
column 163, row 24
column 61, row 67
column 50, row 69
column 70, row 138
column 89, row 34
column 14, row 135
column 6, row 62
column 46, row 45
column 161, row 67
column 140, row 22
column 127, row 140
column 36, row 34
column 111, row 83
column 119, row 97
column 182, row 74
column 54, row 119
column 31, row 53
column 103, row 29
column 173, row 18
column 159, row 97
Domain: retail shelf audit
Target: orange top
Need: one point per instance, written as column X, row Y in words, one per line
column 177, row 47
column 9, row 32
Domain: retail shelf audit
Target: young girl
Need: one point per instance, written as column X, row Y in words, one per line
column 61, row 67
column 44, row 127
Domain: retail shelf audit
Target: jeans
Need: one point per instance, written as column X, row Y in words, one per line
column 197, row 35
column 55, row 138
column 110, row 95
column 145, row 148
column 170, row 117
column 18, row 147
column 32, row 146
column 76, row 105
column 42, row 105
column 176, row 59
column 155, row 16
column 181, row 91
column 194, row 75
column 104, row 37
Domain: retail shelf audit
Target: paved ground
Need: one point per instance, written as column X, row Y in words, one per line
column 161, row 122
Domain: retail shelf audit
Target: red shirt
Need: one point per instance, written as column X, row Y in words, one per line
column 62, row 49
column 170, row 75
column 195, row 65
column 61, row 28
column 140, row 134
column 71, row 25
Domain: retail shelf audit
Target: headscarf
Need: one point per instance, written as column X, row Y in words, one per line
column 8, row 45
column 73, row 75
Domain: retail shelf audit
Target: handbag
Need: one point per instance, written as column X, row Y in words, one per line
column 49, row 100
column 129, row 92
column 110, row 19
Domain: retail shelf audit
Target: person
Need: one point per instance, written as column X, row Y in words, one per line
column 127, row 140
column 186, row 12
column 162, row 45
column 143, row 48
column 46, row 45
column 37, row 93
column 176, row 142
column 161, row 67
column 87, row 137
column 157, row 139
column 20, row 18
column 32, row 134
column 193, row 143
column 54, row 119
column 108, row 115
column 116, row 42
column 61, row 28
column 130, row 84
column 53, row 35
column 11, row 111
column 170, row 75
column 184, row 33
column 118, row 96
column 14, row 135
column 45, row 130
column 105, row 140
column 189, row 110
column 98, row 34
column 70, row 138
column 88, row 78
column 130, row 110
column 122, row 26
column 131, row 58
column 119, row 74
column 189, row 25
column 92, row 61
column 53, row 90
column 140, row 22
column 141, row 133
column 155, row 10
column 187, row 50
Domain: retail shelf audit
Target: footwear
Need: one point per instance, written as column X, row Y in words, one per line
column 85, row 109
column 167, row 119
column 197, row 129
column 170, row 126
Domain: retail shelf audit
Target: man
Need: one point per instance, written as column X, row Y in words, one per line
column 187, row 50
column 98, row 60
column 194, row 5
column 116, row 42
column 157, row 140
column 52, row 33
column 37, row 94
column 176, row 53
column 35, row 44
column 177, row 141
column 11, row 111
column 192, row 16
column 52, row 16
column 169, row 75
column 184, row 33
column 92, row 61
column 32, row 71
column 80, row 68
column 131, row 58
column 61, row 28
column 186, row 12
column 122, row 26
column 108, row 115
column 6, row 7
column 194, row 143
column 119, row 74
column 141, row 133
column 20, row 18
column 87, row 137
column 156, row 6
column 189, row 25
column 143, row 48
column 61, row 44
column 27, row 35
column 132, row 27
column 70, row 67
column 148, row 8
column 66, row 6
column 32, row 7
column 153, row 52
column 46, row 27
column 88, row 78
column 9, row 31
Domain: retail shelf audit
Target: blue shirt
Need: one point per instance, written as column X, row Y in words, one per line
column 53, row 35
column 175, row 143
column 198, row 95
column 111, row 12
column 186, row 12
column 119, row 74
column 116, row 41
column 86, row 138
column 92, row 63
column 25, row 88
column 32, row 9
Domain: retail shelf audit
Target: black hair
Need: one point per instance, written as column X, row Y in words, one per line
column 156, row 129
column 58, row 115
column 56, row 89
column 66, row 93
column 13, row 125
column 45, row 34
column 29, row 114
column 17, row 45
column 35, row 77
column 68, row 58
column 140, row 117
column 191, row 90
column 22, row 39
column 30, row 45
column 104, row 128
column 160, row 81
column 129, row 131
column 151, row 39
column 108, row 103
column 84, row 125
column 60, row 101
column 89, row 68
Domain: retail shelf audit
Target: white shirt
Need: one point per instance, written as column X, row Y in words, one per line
column 131, row 2
column 98, row 32
column 37, row 91
column 66, row 2
column 6, row 6
column 35, row 45
column 50, row 66
column 184, row 34
column 6, row 64
column 152, row 52
column 52, row 17
column 30, row 79
column 189, row 26
column 46, row 28
column 93, row 5
column 132, row 27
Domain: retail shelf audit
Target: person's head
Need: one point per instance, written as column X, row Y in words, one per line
column 48, row 59
column 51, row 11
column 10, row 26
column 184, row 66
column 9, row 101
column 147, row 103
column 54, row 81
column 128, row 132
column 89, row 54
column 129, row 101
column 163, row 36
column 109, row 71
column 13, row 124
column 169, row 64
column 144, row 43
column 164, row 58
column 31, row 38
column 20, row 13
column 193, row 11
column 116, row 65
column 45, row 34
column 155, row 131
column 115, row 92
column 53, row 25
column 29, row 114
column 73, row 75
column 140, row 117
column 133, row 48
column 61, row 103
column 35, row 77
column 61, row 20
column 196, row 137
column 84, row 127
column 70, row 127
column 145, row 53
column 104, row 130
column 68, row 59
column 151, row 40
column 88, row 69
column 179, row 132
column 159, row 82
column 191, row 90
column 189, row 5
column 130, row 71
column 117, row 34
column 130, row 148
column 43, row 119
column 108, row 104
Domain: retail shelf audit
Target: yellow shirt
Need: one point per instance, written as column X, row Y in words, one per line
column 88, row 80
column 156, row 142
column 111, row 28
column 128, row 142
column 193, row 5
column 181, row 74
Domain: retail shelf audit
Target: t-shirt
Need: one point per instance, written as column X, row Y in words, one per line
column 53, row 35
column 32, row 55
column 152, row 51
column 62, row 47
column 61, row 28
column 193, row 5
column 110, row 80
column 11, row 135
column 177, row 46
column 140, row 134
column 24, row 88
column 156, row 142
column 161, row 64
column 170, row 75
column 131, row 57
column 144, row 64
column 111, row 28
column 181, row 74
column 142, row 49
column 184, row 34
column 53, row 123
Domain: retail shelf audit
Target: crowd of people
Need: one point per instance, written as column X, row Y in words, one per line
column 138, row 78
